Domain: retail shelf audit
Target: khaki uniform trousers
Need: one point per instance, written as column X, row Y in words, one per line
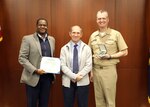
column 105, row 79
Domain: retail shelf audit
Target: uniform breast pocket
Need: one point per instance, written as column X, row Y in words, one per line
column 110, row 44
column 95, row 45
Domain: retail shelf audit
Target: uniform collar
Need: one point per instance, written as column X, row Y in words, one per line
column 107, row 32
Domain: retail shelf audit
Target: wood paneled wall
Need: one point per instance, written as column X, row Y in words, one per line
column 147, row 21
column 130, row 17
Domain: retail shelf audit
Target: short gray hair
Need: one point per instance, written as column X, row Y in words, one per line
column 102, row 11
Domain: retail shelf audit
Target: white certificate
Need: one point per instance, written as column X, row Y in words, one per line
column 50, row 65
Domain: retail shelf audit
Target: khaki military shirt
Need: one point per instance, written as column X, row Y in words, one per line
column 112, row 40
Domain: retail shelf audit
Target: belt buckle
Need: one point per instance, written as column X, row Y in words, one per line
column 101, row 67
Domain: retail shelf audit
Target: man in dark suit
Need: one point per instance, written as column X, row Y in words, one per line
column 33, row 48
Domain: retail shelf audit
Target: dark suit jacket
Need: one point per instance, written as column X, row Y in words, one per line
column 30, row 57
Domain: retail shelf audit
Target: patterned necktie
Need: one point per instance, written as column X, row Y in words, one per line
column 75, row 59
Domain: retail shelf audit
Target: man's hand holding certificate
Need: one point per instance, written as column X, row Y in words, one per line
column 50, row 65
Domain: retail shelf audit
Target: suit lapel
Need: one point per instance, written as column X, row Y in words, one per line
column 51, row 45
column 37, row 43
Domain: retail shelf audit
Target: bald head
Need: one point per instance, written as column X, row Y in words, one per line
column 76, row 28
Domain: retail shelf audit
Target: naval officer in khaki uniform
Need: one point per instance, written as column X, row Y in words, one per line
column 107, row 47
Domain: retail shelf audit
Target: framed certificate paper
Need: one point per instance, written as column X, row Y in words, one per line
column 50, row 65
column 103, row 50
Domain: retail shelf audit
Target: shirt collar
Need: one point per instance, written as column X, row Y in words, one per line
column 79, row 43
column 43, row 38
